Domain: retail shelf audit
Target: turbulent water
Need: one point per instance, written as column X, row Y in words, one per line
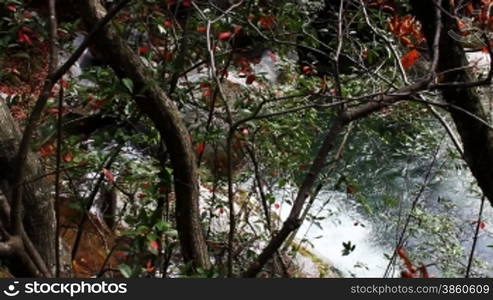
column 440, row 233
column 345, row 221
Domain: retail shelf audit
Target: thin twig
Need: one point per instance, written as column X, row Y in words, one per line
column 475, row 239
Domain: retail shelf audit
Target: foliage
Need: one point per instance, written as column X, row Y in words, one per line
column 266, row 79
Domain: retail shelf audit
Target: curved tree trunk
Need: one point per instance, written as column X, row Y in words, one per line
column 154, row 102
column 39, row 217
column 476, row 137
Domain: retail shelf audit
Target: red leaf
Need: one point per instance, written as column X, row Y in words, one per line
column 154, row 245
column 27, row 14
column 407, row 262
column 250, row 79
column 207, row 92
column 410, row 58
column 149, row 267
column 146, row 184
column 167, row 55
column 225, row 35
column 186, row 3
column 68, row 157
column 200, row 147
column 143, row 49
column 266, row 21
column 407, row 274
column 47, row 150
column 12, row 8
column 482, row 224
column 52, row 111
column 121, row 255
column 307, row 70
column 24, row 38
column 350, row 189
column 64, row 83
column 202, row 29
column 205, row 85
column 236, row 29
column 97, row 103
column 168, row 23
column 109, row 176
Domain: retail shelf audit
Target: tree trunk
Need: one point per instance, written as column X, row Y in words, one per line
column 476, row 137
column 39, row 216
column 154, row 102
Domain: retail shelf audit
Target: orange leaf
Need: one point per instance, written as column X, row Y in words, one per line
column 410, row 58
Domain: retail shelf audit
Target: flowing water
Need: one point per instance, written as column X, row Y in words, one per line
column 441, row 234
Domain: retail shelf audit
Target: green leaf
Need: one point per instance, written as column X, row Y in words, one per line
column 125, row 270
column 143, row 230
column 172, row 233
column 161, row 225
column 128, row 83
column 21, row 55
column 151, row 237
